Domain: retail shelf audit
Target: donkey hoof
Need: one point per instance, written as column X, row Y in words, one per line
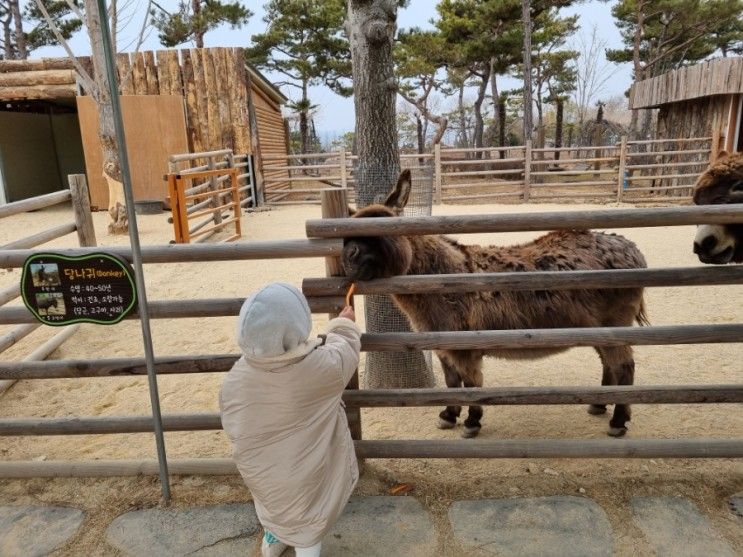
column 617, row 431
column 446, row 424
column 597, row 409
column 470, row 432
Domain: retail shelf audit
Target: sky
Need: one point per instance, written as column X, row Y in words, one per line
column 335, row 115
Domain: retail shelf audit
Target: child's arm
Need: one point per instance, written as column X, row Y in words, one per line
column 343, row 344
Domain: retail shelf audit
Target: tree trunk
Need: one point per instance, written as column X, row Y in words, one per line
column 526, row 17
column 558, row 126
column 463, row 135
column 502, row 124
column 107, row 133
column 420, row 134
column 370, row 27
column 7, row 37
column 198, row 34
column 479, row 123
column 494, row 95
column 636, row 63
column 20, row 39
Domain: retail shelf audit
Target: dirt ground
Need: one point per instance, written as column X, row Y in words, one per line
column 436, row 482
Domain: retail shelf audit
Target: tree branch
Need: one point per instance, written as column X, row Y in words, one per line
column 87, row 80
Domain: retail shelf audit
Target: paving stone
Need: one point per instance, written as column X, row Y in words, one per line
column 203, row 531
column 540, row 526
column 674, row 526
column 20, row 528
column 381, row 526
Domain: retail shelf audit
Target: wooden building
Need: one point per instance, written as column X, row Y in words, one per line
column 705, row 100
column 173, row 101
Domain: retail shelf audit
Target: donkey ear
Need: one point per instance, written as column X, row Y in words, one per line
column 398, row 197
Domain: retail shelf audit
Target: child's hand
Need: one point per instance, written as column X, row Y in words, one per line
column 348, row 313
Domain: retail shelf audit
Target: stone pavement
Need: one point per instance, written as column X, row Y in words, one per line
column 386, row 526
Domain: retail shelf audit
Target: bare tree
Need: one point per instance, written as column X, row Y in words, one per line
column 592, row 71
column 97, row 87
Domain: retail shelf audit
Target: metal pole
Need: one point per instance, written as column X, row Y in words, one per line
column 136, row 251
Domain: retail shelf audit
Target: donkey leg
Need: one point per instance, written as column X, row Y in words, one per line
column 607, row 378
column 448, row 416
column 473, row 378
column 622, row 364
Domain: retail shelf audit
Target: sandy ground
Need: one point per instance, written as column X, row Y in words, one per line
column 436, row 482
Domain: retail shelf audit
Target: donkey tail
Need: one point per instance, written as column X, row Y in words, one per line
column 642, row 316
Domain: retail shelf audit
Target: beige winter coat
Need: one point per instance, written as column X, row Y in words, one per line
column 290, row 435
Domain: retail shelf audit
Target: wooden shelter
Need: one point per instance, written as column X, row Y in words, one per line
column 173, row 101
column 705, row 100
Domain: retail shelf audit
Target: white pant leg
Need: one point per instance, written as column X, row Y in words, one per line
column 313, row 551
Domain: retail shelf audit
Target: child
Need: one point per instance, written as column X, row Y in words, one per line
column 281, row 408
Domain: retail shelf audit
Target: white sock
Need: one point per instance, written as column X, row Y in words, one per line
column 313, row 551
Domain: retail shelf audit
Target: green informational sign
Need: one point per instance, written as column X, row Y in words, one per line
column 62, row 290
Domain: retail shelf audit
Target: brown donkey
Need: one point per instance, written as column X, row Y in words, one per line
column 367, row 258
column 721, row 184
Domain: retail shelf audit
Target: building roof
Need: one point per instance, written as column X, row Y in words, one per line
column 720, row 76
column 260, row 81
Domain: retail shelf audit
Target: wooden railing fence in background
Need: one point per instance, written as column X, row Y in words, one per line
column 211, row 195
column 662, row 171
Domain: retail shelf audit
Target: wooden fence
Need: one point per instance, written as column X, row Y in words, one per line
column 211, row 197
column 325, row 295
column 662, row 171
column 82, row 224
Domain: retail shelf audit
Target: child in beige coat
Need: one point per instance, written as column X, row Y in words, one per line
column 282, row 410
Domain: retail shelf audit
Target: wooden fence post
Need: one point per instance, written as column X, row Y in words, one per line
column 438, row 195
column 527, row 169
column 334, row 205
column 344, row 168
column 622, row 167
column 81, row 209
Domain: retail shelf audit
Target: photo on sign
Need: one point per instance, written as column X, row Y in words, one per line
column 50, row 303
column 45, row 274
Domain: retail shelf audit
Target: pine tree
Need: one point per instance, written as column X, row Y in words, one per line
column 195, row 18
column 17, row 42
column 306, row 44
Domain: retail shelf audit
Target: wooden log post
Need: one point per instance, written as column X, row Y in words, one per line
column 81, row 209
column 438, row 197
column 335, row 205
column 622, row 167
column 527, row 170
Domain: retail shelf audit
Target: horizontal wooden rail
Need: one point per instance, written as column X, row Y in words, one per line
column 179, row 309
column 11, row 337
column 553, row 448
column 202, row 155
column 33, row 203
column 537, row 280
column 174, row 253
column 10, row 293
column 678, row 140
column 574, row 448
column 634, row 154
column 41, row 237
column 553, row 338
column 397, row 398
column 518, row 222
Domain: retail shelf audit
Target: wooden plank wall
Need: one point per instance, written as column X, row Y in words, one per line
column 212, row 82
column 155, row 128
column 721, row 76
column 271, row 136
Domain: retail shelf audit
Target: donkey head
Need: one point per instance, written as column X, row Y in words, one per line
column 721, row 184
column 366, row 258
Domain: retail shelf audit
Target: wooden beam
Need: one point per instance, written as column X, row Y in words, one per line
column 522, row 222
column 34, row 203
column 213, row 252
column 41, row 237
column 536, row 280
column 43, row 77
